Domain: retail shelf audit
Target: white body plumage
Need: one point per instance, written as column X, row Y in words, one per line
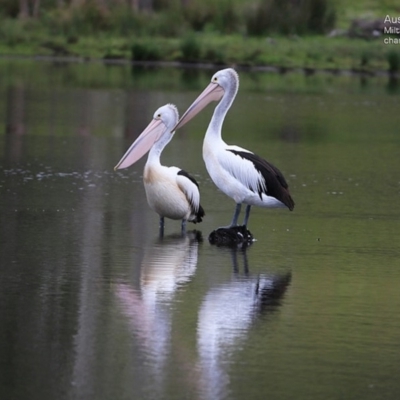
column 235, row 176
column 169, row 194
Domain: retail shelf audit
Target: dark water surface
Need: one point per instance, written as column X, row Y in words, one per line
column 94, row 305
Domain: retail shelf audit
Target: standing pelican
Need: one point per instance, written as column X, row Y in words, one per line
column 171, row 192
column 239, row 173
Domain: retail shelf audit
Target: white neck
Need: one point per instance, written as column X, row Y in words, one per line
column 215, row 127
column 158, row 147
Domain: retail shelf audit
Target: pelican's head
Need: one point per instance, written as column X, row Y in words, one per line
column 225, row 81
column 159, row 129
column 227, row 78
column 169, row 115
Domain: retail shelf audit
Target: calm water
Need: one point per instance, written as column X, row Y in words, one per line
column 94, row 305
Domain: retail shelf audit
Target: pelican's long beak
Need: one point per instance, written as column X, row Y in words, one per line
column 213, row 92
column 142, row 144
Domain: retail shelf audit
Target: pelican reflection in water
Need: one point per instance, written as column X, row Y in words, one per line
column 226, row 315
column 166, row 267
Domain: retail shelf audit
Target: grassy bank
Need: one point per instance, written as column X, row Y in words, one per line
column 223, row 35
column 316, row 52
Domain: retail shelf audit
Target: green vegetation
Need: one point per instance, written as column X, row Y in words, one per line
column 277, row 33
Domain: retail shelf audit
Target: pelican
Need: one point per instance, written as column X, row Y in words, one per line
column 171, row 192
column 237, row 172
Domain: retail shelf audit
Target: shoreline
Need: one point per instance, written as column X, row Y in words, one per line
column 208, row 66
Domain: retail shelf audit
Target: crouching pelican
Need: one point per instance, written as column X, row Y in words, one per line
column 171, row 192
column 237, row 172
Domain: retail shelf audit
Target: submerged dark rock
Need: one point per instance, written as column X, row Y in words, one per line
column 236, row 236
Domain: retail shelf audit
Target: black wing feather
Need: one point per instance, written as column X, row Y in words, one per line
column 199, row 213
column 275, row 183
column 187, row 175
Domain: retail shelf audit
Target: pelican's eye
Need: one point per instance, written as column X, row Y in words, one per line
column 158, row 115
column 215, row 79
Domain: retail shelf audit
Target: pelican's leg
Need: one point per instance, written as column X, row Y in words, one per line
column 235, row 215
column 183, row 226
column 161, row 226
column 247, row 215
